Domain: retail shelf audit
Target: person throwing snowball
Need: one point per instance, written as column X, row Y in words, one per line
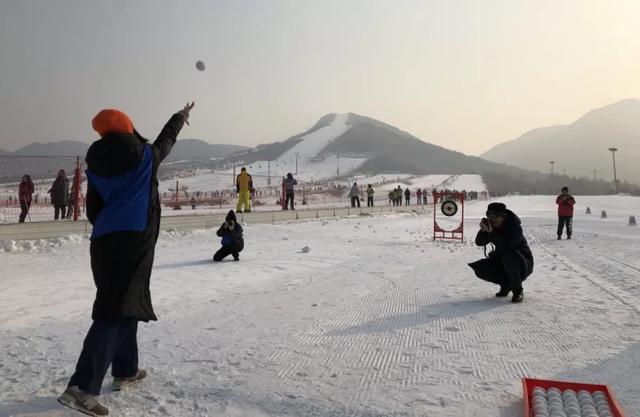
column 123, row 206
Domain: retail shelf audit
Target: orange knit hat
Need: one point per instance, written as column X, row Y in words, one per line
column 112, row 121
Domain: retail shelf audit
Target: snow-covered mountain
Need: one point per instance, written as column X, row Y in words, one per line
column 342, row 144
column 581, row 147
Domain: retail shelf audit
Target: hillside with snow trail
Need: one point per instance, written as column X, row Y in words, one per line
column 305, row 158
column 314, row 142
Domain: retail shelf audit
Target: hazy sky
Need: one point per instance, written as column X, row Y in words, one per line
column 461, row 74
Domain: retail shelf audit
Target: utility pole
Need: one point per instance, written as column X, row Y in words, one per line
column 552, row 164
column 268, row 172
column 338, row 162
column 613, row 151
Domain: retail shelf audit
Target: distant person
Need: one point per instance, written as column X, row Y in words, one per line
column 25, row 195
column 424, row 196
column 392, row 197
column 193, row 203
column 370, row 192
column 407, row 196
column 232, row 239
column 399, row 196
column 59, row 192
column 123, row 205
column 244, row 186
column 354, row 194
column 289, row 191
column 419, row 197
column 565, row 202
column 512, row 261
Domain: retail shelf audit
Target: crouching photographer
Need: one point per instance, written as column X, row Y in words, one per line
column 511, row 261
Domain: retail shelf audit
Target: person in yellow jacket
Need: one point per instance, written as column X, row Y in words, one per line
column 244, row 186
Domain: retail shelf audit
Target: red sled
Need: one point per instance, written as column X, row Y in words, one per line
column 528, row 384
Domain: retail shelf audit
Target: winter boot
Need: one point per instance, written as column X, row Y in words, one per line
column 83, row 402
column 504, row 291
column 518, row 296
column 569, row 237
column 559, row 237
column 122, row 383
column 236, row 258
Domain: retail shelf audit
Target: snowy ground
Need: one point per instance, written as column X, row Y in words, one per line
column 376, row 320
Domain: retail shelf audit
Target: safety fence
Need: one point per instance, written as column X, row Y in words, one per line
column 48, row 230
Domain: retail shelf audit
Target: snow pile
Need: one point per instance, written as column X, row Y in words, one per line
column 39, row 245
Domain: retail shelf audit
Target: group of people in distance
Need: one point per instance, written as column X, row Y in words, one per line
column 62, row 198
column 395, row 196
column 123, row 205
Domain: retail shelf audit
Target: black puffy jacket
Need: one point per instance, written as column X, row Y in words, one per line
column 122, row 261
column 509, row 240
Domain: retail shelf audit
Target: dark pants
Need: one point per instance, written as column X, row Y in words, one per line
column 59, row 212
column 354, row 201
column 369, row 201
column 109, row 342
column 226, row 250
column 508, row 270
column 407, row 201
column 288, row 200
column 24, row 207
column 565, row 221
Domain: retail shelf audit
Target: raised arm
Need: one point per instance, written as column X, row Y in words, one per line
column 169, row 134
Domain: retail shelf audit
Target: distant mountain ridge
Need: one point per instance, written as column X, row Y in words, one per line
column 582, row 146
column 199, row 150
column 184, row 149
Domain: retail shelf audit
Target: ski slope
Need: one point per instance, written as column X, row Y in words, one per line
column 375, row 320
column 303, row 156
column 314, row 142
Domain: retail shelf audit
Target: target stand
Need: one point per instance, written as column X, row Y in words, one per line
column 449, row 204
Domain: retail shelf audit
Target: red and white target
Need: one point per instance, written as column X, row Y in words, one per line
column 448, row 206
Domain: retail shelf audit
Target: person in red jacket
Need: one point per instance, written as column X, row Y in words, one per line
column 565, row 202
column 25, row 193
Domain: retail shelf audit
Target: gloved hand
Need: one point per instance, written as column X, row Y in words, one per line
column 185, row 111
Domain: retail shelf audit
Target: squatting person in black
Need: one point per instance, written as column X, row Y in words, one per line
column 511, row 262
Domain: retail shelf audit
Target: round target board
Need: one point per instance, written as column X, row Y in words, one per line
column 449, row 208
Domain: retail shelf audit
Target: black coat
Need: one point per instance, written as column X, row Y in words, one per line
column 60, row 192
column 122, row 261
column 509, row 241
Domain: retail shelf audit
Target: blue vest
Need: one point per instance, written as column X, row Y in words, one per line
column 126, row 198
